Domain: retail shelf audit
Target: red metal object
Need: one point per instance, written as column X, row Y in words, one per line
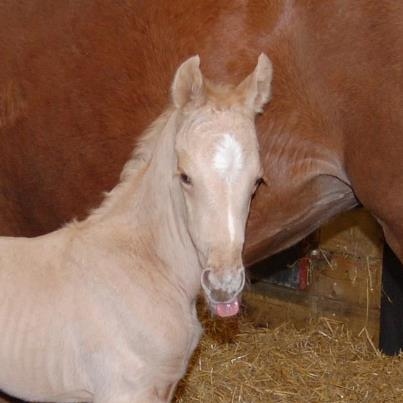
column 304, row 265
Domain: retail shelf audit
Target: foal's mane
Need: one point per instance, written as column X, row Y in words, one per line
column 144, row 148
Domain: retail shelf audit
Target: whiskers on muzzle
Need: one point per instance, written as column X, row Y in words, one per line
column 223, row 287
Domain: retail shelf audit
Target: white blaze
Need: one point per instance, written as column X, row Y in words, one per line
column 231, row 224
column 228, row 158
column 228, row 161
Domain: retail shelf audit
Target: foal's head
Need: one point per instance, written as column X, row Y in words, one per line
column 218, row 169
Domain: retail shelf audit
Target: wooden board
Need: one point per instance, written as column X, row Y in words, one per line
column 344, row 279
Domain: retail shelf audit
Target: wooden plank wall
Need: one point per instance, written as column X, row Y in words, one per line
column 343, row 280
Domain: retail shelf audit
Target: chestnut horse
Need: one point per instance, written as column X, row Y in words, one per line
column 104, row 309
column 79, row 80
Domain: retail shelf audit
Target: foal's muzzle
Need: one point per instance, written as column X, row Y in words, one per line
column 223, row 290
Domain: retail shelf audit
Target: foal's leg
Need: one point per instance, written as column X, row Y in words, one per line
column 169, row 392
column 153, row 395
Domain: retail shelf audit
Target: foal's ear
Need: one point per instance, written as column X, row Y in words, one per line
column 256, row 88
column 188, row 84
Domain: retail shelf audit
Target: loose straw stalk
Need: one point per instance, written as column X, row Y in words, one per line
column 238, row 362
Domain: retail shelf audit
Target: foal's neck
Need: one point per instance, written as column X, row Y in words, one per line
column 147, row 205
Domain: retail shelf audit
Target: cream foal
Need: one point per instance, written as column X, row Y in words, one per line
column 103, row 310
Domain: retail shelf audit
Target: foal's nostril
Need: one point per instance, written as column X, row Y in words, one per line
column 205, row 277
column 205, row 282
column 243, row 278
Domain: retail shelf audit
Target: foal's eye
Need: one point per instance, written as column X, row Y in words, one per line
column 185, row 179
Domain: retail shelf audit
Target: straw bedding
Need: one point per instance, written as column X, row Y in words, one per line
column 324, row 362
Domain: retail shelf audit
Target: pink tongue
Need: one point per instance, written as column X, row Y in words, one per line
column 225, row 310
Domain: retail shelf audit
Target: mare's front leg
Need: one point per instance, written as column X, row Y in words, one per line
column 394, row 238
